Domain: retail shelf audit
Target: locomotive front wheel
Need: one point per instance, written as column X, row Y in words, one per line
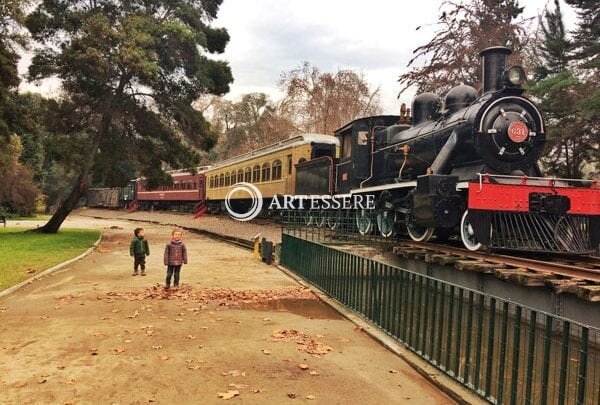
column 386, row 221
column 467, row 234
column 332, row 221
column 310, row 218
column 364, row 223
column 419, row 233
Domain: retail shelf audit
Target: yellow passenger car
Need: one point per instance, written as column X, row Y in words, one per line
column 271, row 168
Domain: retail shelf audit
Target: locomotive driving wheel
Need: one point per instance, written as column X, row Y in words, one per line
column 364, row 222
column 419, row 233
column 386, row 221
column 467, row 234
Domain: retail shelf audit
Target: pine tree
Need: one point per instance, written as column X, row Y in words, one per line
column 587, row 35
column 130, row 71
column 558, row 90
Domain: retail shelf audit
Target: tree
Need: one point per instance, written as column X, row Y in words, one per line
column 130, row 71
column 321, row 102
column 587, row 35
column 464, row 28
column 11, row 39
column 558, row 90
column 252, row 122
column 17, row 190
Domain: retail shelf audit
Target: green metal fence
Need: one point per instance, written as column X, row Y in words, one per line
column 507, row 353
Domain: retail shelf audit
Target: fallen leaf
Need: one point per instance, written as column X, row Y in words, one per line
column 114, row 311
column 42, row 381
column 238, row 386
column 234, row 373
column 119, row 350
column 151, row 399
column 256, row 390
column 266, row 351
column 164, row 358
column 291, row 395
column 94, row 352
column 134, row 315
column 61, row 367
column 191, row 337
column 178, row 320
column 393, row 371
column 70, row 381
column 303, row 366
column 44, row 317
column 20, row 385
column 310, row 397
column 313, row 372
column 229, row 394
column 157, row 347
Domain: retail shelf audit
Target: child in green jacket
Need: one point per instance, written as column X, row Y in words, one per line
column 139, row 249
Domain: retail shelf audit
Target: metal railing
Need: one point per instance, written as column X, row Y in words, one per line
column 506, row 352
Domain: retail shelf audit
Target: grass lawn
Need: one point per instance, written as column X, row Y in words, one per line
column 36, row 217
column 24, row 254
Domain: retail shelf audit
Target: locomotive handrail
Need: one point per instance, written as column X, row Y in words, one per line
column 484, row 177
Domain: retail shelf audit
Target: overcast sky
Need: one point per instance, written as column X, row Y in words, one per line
column 375, row 38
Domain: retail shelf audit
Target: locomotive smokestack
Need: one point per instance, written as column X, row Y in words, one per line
column 493, row 65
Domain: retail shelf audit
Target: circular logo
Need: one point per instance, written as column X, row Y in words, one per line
column 518, row 131
column 255, row 197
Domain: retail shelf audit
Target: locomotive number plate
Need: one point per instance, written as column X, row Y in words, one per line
column 518, row 131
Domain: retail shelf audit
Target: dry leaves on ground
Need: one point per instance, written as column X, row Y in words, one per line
column 234, row 373
column 305, row 342
column 223, row 296
column 229, row 394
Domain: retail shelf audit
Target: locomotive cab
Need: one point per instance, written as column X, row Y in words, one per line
column 359, row 141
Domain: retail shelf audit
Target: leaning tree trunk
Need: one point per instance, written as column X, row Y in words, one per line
column 63, row 211
column 80, row 188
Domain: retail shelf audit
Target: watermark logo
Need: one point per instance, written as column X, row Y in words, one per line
column 255, row 198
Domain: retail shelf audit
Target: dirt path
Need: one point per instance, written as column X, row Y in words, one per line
column 87, row 335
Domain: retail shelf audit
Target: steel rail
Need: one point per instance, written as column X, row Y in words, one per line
column 563, row 269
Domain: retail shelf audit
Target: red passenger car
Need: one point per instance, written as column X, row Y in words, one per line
column 186, row 193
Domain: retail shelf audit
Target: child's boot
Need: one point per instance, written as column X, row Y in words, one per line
column 135, row 273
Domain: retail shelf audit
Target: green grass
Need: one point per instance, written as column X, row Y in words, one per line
column 23, row 254
column 35, row 217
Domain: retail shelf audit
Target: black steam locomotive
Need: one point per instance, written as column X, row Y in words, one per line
column 463, row 165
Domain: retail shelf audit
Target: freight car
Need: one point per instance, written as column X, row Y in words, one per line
column 466, row 165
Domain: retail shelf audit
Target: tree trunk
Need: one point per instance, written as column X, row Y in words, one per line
column 80, row 187
column 63, row 211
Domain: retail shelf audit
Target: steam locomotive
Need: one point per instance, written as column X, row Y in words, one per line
column 465, row 165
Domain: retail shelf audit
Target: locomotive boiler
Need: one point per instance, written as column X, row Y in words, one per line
column 466, row 164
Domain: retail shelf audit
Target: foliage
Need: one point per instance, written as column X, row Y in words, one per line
column 587, row 35
column 18, row 192
column 23, row 254
column 322, row 102
column 11, row 40
column 567, row 98
column 464, row 28
column 248, row 124
column 130, row 71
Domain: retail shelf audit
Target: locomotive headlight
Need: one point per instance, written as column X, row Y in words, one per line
column 515, row 76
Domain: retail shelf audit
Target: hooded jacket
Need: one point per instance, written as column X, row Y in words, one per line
column 175, row 253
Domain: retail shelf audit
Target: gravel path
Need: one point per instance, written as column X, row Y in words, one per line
column 92, row 333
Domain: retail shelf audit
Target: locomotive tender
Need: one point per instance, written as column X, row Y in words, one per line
column 465, row 165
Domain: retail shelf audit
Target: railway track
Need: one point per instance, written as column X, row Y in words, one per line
column 585, row 268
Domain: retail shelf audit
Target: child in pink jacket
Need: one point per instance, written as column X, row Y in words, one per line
column 175, row 256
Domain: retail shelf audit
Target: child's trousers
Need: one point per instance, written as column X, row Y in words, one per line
column 173, row 271
column 139, row 260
